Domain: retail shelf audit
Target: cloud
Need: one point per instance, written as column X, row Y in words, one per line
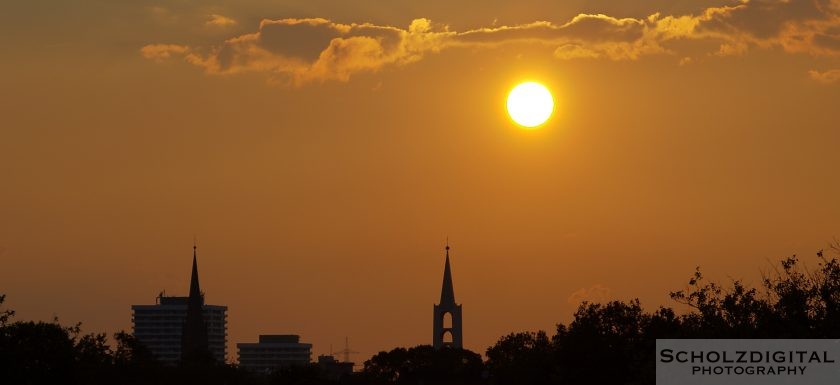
column 220, row 21
column 305, row 50
column 796, row 26
column 826, row 77
column 317, row 50
column 159, row 52
column 162, row 15
column 595, row 294
column 585, row 36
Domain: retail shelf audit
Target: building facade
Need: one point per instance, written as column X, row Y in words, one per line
column 177, row 329
column 273, row 352
column 333, row 369
column 446, row 325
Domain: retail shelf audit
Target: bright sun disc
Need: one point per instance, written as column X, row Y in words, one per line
column 530, row 104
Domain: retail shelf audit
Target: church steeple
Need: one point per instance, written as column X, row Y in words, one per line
column 447, row 292
column 447, row 334
column 194, row 344
column 195, row 288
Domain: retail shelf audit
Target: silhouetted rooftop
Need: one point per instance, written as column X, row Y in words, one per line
column 279, row 339
column 173, row 300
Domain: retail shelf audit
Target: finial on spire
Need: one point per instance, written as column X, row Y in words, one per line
column 447, row 294
column 195, row 289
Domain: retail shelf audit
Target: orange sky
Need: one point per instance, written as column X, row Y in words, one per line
column 322, row 156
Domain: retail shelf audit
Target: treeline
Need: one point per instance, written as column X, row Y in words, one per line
column 609, row 343
column 49, row 353
column 614, row 343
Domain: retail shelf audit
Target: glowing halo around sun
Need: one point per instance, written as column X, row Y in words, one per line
column 530, row 104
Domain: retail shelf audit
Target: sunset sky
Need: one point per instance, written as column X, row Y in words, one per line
column 322, row 151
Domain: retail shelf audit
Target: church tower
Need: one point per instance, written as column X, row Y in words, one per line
column 447, row 314
column 194, row 344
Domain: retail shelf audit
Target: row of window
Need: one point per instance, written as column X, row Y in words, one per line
column 250, row 363
column 298, row 353
column 253, row 358
column 160, row 351
column 177, row 341
column 172, row 329
column 177, row 346
column 263, row 350
column 175, row 317
column 220, row 314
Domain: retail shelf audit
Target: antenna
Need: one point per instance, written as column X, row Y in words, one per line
column 346, row 352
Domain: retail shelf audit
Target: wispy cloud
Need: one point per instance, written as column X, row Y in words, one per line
column 315, row 49
column 219, row 21
column 159, row 52
column 826, row 77
column 594, row 294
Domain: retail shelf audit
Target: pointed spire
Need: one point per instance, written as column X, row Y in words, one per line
column 195, row 288
column 447, row 293
column 194, row 344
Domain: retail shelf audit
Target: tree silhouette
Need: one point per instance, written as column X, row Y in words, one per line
column 36, row 353
column 424, row 364
column 602, row 335
column 522, row 358
column 7, row 314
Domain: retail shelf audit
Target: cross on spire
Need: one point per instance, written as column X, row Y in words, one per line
column 447, row 292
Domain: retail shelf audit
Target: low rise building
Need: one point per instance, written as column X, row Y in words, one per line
column 274, row 352
column 334, row 369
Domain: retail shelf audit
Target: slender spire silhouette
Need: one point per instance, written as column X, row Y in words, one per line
column 195, row 288
column 447, row 292
column 194, row 344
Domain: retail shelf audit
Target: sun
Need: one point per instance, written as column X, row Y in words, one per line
column 530, row 104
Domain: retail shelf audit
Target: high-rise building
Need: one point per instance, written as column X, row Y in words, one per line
column 273, row 352
column 446, row 325
column 177, row 329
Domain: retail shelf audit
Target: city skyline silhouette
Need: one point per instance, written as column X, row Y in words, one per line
column 184, row 338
